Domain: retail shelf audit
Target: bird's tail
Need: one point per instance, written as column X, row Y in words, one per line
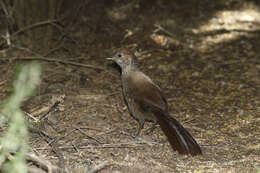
column 179, row 138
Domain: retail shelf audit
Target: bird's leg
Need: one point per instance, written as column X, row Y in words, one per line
column 141, row 126
column 150, row 131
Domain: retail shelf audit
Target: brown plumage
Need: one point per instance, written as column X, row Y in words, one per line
column 145, row 102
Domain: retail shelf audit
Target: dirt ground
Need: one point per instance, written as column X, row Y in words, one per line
column 204, row 55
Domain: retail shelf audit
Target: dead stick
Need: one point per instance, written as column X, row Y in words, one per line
column 54, row 60
column 46, row 165
column 80, row 130
column 52, row 22
column 99, row 167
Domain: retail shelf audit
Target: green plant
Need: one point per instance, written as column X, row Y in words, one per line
column 14, row 141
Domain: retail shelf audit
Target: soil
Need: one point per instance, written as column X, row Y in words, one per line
column 204, row 55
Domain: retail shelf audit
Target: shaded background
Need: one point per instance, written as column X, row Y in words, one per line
column 204, row 54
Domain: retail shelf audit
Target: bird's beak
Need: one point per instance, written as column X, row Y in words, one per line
column 110, row 58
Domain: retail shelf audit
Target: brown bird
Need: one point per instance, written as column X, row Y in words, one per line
column 146, row 102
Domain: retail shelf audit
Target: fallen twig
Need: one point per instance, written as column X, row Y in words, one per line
column 40, row 132
column 160, row 28
column 81, row 131
column 59, row 138
column 42, row 163
column 53, row 60
column 49, row 22
column 55, row 102
column 116, row 145
column 31, row 116
column 2, row 82
column 58, row 153
column 99, row 167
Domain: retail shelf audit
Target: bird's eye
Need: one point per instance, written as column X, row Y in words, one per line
column 119, row 55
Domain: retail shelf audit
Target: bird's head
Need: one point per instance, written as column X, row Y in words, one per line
column 124, row 58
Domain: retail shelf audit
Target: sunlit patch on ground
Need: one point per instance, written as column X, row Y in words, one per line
column 228, row 25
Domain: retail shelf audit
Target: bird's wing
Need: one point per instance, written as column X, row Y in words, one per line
column 146, row 92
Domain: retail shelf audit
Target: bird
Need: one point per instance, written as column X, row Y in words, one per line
column 146, row 102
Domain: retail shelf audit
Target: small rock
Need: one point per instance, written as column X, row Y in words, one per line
column 195, row 74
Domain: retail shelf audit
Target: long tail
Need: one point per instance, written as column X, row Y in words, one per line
column 179, row 138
